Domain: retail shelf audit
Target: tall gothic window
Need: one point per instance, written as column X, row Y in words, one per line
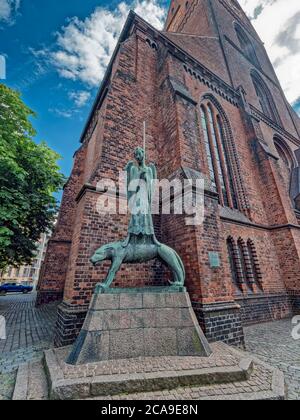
column 208, row 148
column 246, row 45
column 227, row 162
column 245, row 267
column 233, row 263
column 284, row 153
column 266, row 101
column 217, row 155
column 256, row 273
column 287, row 166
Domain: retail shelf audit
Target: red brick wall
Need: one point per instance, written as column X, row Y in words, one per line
column 129, row 103
column 287, row 242
column 141, row 89
column 54, row 269
column 194, row 19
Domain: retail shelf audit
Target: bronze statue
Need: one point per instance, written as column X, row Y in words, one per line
column 141, row 244
column 141, row 178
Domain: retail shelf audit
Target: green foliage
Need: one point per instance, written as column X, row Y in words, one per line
column 29, row 175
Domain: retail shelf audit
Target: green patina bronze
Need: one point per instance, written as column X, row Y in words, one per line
column 141, row 244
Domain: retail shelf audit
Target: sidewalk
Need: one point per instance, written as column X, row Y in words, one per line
column 29, row 330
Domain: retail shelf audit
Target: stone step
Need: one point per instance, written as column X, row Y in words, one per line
column 218, row 379
column 155, row 376
column 109, row 385
column 31, row 382
column 266, row 389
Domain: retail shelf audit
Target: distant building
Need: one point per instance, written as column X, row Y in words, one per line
column 27, row 274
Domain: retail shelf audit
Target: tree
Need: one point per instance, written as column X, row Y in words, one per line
column 29, row 176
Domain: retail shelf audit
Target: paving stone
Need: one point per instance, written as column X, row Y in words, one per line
column 273, row 343
column 29, row 331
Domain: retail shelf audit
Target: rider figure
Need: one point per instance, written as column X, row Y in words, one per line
column 140, row 185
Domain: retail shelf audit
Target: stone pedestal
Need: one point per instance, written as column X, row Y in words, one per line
column 132, row 323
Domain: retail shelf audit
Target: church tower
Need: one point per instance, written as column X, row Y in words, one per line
column 215, row 111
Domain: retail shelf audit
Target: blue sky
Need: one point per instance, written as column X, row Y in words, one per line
column 29, row 39
column 56, row 53
column 43, row 89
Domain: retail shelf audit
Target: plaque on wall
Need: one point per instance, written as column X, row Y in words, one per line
column 214, row 259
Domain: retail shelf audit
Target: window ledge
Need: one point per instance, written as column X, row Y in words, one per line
column 233, row 214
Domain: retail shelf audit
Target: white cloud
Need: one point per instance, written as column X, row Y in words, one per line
column 80, row 98
column 84, row 47
column 278, row 25
column 4, row 10
column 61, row 112
column 7, row 9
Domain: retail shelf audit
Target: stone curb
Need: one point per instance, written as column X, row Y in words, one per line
column 22, row 381
column 53, row 372
column 278, row 384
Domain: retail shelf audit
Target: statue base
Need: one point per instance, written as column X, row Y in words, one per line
column 145, row 322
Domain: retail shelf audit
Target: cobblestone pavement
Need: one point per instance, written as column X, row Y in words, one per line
column 29, row 330
column 273, row 343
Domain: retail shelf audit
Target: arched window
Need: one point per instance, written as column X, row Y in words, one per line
column 233, row 263
column 208, row 148
column 266, row 101
column 256, row 273
column 287, row 165
column 284, row 153
column 244, row 264
column 217, row 155
column 244, row 258
column 227, row 161
column 246, row 45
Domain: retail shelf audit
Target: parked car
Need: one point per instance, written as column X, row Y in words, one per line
column 14, row 288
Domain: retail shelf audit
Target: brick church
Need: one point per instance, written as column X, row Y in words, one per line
column 215, row 110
